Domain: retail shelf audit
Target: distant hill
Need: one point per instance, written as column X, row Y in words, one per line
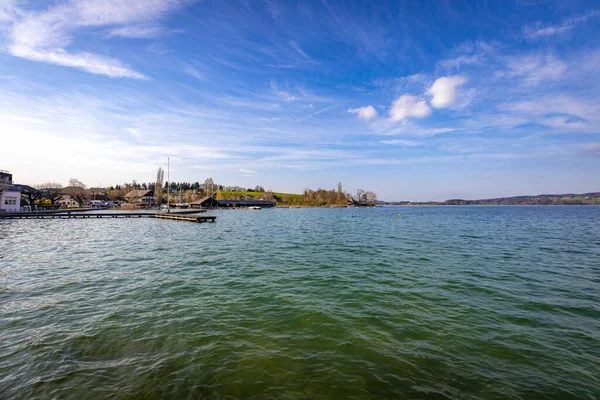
column 540, row 199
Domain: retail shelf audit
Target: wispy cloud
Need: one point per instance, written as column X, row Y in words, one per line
column 88, row 62
column 299, row 50
column 593, row 148
column 286, row 96
column 192, row 71
column 539, row 31
column 534, row 69
column 401, row 142
column 136, row 32
column 457, row 62
column 45, row 35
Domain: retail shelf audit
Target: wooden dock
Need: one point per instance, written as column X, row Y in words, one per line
column 189, row 218
column 179, row 216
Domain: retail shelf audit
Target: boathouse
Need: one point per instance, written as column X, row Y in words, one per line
column 211, row 202
column 141, row 197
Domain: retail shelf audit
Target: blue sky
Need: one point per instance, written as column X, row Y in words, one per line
column 413, row 100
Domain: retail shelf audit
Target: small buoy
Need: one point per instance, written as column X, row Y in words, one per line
column 399, row 215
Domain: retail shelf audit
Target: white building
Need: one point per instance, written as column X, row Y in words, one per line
column 10, row 197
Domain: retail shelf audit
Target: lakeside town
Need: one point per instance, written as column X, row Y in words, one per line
column 16, row 197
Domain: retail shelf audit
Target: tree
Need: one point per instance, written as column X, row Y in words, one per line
column 51, row 191
column 31, row 194
column 359, row 195
column 76, row 183
column 371, row 198
column 77, row 190
column 209, row 186
column 269, row 196
column 340, row 193
column 160, row 175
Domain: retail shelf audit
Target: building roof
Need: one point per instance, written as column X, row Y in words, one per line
column 200, row 201
column 28, row 189
column 139, row 194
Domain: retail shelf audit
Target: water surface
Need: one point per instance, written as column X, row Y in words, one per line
column 442, row 302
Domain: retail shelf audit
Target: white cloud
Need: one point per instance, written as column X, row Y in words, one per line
column 44, row 35
column 7, row 10
column 408, row 106
column 443, row 91
column 247, row 171
column 365, row 113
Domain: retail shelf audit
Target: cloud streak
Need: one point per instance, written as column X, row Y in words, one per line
column 538, row 32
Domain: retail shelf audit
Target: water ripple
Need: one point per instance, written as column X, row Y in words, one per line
column 445, row 302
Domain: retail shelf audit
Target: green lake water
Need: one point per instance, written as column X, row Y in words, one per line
column 441, row 302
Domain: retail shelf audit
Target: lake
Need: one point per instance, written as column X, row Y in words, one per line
column 440, row 302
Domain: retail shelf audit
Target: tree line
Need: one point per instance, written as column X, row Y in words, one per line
column 191, row 191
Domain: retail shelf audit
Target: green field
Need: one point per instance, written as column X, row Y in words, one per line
column 280, row 197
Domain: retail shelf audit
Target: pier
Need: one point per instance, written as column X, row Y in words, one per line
column 178, row 216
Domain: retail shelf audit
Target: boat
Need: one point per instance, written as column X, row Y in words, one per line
column 254, row 208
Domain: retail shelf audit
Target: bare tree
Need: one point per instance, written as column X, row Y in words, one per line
column 77, row 190
column 160, row 175
column 340, row 193
column 359, row 195
column 209, row 186
column 52, row 191
column 371, row 198
column 76, row 183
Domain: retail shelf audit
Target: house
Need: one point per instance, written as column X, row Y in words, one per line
column 69, row 195
column 10, row 195
column 141, row 197
column 98, row 193
column 210, row 202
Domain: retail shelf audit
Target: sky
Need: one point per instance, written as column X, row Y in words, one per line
column 414, row 100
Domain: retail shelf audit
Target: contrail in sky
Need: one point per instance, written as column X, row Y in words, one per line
column 282, row 126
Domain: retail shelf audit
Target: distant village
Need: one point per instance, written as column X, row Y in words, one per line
column 52, row 195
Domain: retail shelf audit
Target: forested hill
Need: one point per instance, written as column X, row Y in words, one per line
column 540, row 199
